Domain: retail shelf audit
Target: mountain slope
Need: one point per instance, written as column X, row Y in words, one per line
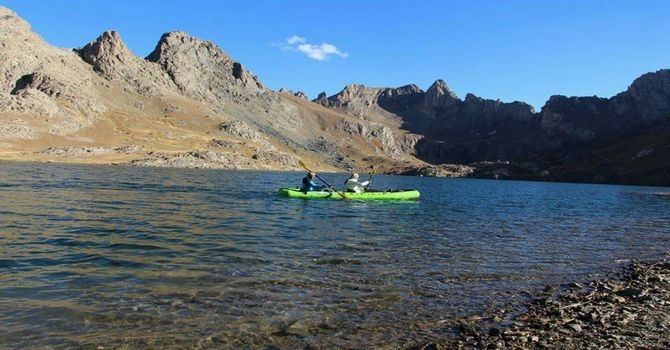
column 584, row 139
column 187, row 104
column 190, row 104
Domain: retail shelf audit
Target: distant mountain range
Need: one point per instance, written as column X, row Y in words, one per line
column 189, row 104
column 623, row 139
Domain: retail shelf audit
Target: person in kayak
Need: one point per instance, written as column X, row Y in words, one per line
column 309, row 185
column 353, row 185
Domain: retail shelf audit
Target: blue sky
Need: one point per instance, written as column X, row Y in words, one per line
column 512, row 50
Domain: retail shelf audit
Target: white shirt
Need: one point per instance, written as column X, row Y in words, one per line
column 354, row 185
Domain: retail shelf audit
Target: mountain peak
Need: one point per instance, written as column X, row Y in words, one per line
column 106, row 52
column 439, row 95
column 651, row 93
column 201, row 69
column 110, row 57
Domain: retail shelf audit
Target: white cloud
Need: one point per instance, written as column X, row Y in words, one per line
column 296, row 40
column 319, row 52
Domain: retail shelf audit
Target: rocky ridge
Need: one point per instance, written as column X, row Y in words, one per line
column 185, row 100
column 583, row 139
column 109, row 56
column 646, row 103
column 46, row 94
column 175, row 100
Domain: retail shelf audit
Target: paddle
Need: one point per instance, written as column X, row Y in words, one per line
column 302, row 164
column 370, row 176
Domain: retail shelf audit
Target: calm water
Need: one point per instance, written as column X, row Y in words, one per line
column 162, row 258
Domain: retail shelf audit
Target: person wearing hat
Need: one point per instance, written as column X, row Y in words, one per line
column 353, row 185
column 308, row 183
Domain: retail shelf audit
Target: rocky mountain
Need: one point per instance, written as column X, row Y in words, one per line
column 453, row 127
column 645, row 104
column 622, row 139
column 187, row 104
column 190, row 104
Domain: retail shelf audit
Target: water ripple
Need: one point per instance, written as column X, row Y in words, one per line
column 176, row 258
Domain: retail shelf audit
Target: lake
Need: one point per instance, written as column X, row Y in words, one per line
column 129, row 257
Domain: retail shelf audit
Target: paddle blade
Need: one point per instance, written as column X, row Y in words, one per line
column 302, row 164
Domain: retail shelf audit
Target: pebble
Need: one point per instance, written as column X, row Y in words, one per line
column 629, row 311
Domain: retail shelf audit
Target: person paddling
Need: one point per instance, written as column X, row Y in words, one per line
column 308, row 183
column 353, row 185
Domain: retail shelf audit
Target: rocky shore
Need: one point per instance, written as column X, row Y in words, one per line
column 628, row 311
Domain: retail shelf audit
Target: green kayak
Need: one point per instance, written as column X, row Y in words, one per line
column 372, row 195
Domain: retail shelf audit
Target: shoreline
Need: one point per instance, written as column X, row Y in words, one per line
column 629, row 310
column 189, row 161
